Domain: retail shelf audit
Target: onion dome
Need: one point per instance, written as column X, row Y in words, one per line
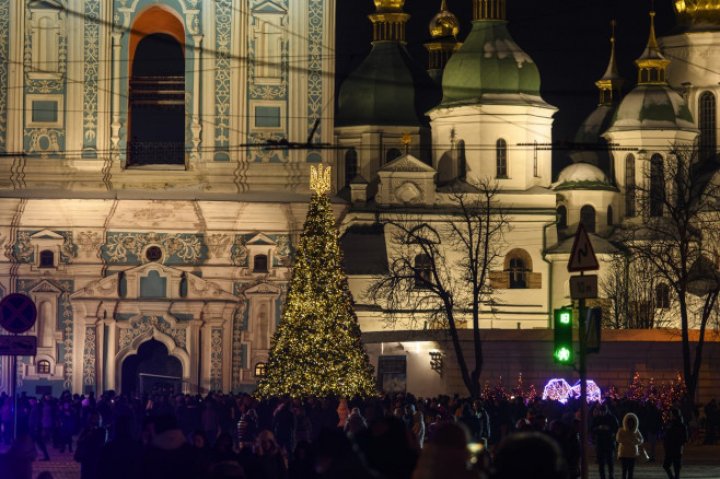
column 698, row 15
column 489, row 61
column 652, row 104
column 389, row 87
column 579, row 176
column 444, row 24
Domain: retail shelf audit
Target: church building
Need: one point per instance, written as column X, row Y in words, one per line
column 155, row 159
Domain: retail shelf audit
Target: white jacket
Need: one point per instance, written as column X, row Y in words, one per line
column 629, row 438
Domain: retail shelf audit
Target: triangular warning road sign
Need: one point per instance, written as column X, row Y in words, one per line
column 582, row 257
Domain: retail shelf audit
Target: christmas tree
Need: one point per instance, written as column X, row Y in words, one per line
column 316, row 350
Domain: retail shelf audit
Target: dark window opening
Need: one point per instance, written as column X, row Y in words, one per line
column 587, row 218
column 392, row 154
column 707, row 123
column 610, row 216
column 630, row 186
column 154, row 253
column 423, row 271
column 662, row 296
column 47, row 259
column 657, row 185
column 43, row 367
column 157, row 102
column 351, row 165
column 562, row 217
column 518, row 273
column 501, row 158
column 260, row 263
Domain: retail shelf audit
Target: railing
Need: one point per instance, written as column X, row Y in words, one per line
column 155, row 152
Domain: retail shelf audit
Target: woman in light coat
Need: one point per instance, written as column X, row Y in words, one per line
column 629, row 441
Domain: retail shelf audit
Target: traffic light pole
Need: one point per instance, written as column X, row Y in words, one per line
column 582, row 339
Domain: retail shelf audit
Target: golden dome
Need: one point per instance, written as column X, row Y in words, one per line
column 444, row 24
column 698, row 12
column 389, row 5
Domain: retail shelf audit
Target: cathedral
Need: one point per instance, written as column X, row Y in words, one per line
column 155, row 158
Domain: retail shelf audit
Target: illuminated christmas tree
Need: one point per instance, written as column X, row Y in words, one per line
column 316, row 350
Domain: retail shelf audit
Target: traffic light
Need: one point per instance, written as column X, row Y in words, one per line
column 563, row 350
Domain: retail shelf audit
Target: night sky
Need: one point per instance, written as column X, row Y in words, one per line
column 568, row 39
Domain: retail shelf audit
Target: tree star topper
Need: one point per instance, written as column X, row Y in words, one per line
column 320, row 179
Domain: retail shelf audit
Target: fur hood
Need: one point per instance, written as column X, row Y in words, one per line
column 628, row 418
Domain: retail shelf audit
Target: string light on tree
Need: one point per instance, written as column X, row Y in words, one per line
column 316, row 350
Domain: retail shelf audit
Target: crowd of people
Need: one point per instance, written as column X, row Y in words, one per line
column 396, row 436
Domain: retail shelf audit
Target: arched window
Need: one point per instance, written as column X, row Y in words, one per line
column 610, row 218
column 47, row 259
column 260, row 370
column 461, row 160
column 423, row 271
column 183, row 287
column 501, row 158
column 587, row 218
column 630, row 185
column 707, row 121
column 156, row 115
column 657, row 185
column 43, row 366
column 518, row 265
column 662, row 296
column 351, row 165
column 260, row 263
column 122, row 284
column 562, row 217
column 392, row 154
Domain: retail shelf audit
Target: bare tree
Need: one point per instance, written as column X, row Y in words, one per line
column 676, row 239
column 633, row 296
column 440, row 267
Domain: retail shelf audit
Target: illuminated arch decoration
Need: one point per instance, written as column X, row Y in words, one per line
column 594, row 394
column 557, row 389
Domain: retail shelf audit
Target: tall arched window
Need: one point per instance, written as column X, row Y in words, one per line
column 587, row 218
column 562, row 217
column 662, row 296
column 610, row 218
column 501, row 158
column 630, row 185
column 156, row 114
column 351, row 165
column 423, row 271
column 707, row 121
column 657, row 185
column 461, row 160
column 518, row 266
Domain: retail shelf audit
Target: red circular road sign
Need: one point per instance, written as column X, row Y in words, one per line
column 17, row 313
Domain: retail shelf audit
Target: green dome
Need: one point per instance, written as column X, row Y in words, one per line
column 652, row 106
column 489, row 61
column 593, row 145
column 388, row 88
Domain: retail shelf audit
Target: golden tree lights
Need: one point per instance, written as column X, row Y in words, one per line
column 316, row 350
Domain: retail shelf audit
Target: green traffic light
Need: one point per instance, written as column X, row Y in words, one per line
column 563, row 354
column 565, row 317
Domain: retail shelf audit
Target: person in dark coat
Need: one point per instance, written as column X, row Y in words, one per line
column 120, row 458
column 269, row 461
column 169, row 455
column 603, row 428
column 676, row 436
column 89, row 443
column 35, row 427
column 16, row 463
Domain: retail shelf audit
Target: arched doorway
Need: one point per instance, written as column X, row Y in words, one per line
column 151, row 371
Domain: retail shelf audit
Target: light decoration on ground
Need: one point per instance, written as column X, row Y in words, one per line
column 557, row 389
column 594, row 394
